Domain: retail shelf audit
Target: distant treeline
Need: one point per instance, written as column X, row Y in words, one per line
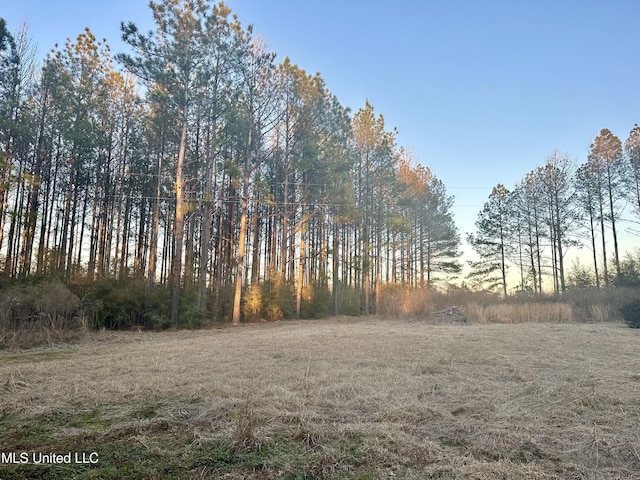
column 557, row 207
column 201, row 165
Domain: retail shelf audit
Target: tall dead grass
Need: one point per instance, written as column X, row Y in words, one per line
column 527, row 312
column 588, row 305
column 397, row 301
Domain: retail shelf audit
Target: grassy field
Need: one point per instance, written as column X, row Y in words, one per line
column 338, row 398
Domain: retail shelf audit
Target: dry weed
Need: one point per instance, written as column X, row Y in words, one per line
column 401, row 302
column 523, row 312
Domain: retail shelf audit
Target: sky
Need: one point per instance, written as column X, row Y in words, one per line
column 481, row 91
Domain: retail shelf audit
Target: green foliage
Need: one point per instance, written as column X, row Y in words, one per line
column 156, row 307
column 127, row 303
column 278, row 300
column 220, row 303
column 629, row 271
column 317, row 302
column 580, row 276
column 271, row 300
column 191, row 315
column 490, row 243
column 113, row 304
column 349, row 302
column 631, row 314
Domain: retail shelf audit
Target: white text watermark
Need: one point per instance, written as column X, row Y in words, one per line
column 48, row 458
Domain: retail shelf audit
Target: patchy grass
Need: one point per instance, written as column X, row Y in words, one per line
column 360, row 399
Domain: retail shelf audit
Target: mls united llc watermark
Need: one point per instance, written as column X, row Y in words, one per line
column 40, row 458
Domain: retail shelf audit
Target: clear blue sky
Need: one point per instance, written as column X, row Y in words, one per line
column 481, row 91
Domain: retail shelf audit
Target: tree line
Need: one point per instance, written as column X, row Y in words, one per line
column 199, row 163
column 559, row 206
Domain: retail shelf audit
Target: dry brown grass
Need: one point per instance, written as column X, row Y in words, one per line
column 336, row 398
column 525, row 312
column 400, row 302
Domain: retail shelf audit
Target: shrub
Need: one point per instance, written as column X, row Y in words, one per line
column 190, row 313
column 156, row 307
column 278, row 300
column 129, row 302
column 348, row 300
column 252, row 307
column 600, row 305
column 317, row 301
column 115, row 303
column 629, row 270
column 272, row 300
column 580, row 276
column 631, row 314
column 38, row 313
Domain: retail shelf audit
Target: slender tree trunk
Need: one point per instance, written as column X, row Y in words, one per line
column 554, row 256
column 142, row 231
column 593, row 247
column 8, row 269
column 563, row 286
column 336, row 266
column 126, row 227
column 255, row 261
column 605, row 268
column 242, row 238
column 503, row 267
column 189, row 253
column 378, row 260
column 102, row 237
column 285, row 228
column 46, row 257
column 301, row 263
column 178, row 227
column 538, row 253
column 83, row 219
column 533, row 262
column 40, row 266
column 205, row 237
column 155, row 227
column 67, row 219
column 616, row 257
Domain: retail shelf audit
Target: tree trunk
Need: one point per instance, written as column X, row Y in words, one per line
column 605, row 269
column 593, row 246
column 178, row 227
column 301, row 264
column 336, row 266
column 616, row 257
column 242, row 238
column 155, row 227
column 205, row 237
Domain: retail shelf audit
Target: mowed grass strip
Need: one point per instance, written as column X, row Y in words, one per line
column 365, row 398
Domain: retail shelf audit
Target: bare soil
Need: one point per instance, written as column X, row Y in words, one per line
column 339, row 398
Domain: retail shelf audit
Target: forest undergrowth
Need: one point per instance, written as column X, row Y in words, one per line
column 46, row 311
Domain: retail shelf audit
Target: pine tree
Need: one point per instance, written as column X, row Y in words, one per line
column 632, row 154
column 605, row 162
column 173, row 57
column 374, row 167
column 491, row 242
column 587, row 202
